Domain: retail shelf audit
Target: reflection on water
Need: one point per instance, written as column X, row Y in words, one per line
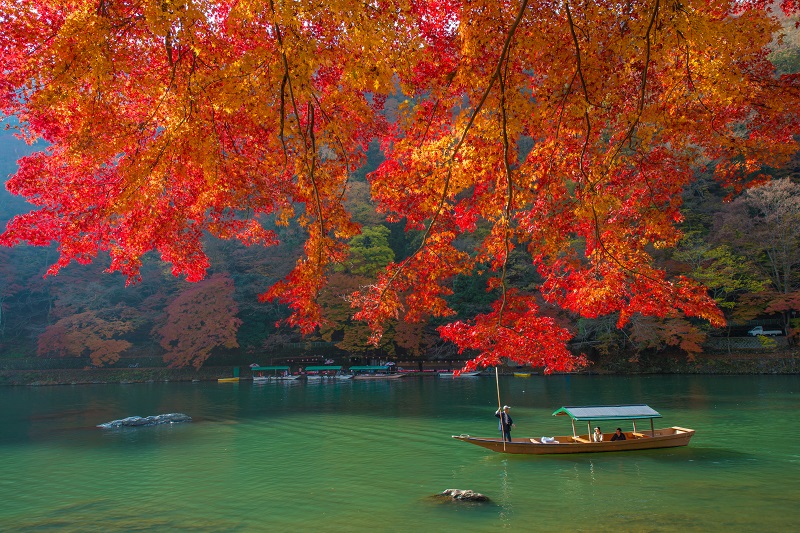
column 350, row 456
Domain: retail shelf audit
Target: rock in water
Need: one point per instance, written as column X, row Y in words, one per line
column 136, row 421
column 465, row 495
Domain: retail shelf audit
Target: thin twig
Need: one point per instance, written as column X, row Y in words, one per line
column 457, row 147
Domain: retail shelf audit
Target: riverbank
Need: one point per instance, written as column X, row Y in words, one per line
column 69, row 376
column 779, row 362
column 783, row 362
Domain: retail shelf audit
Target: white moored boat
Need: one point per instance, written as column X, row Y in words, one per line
column 461, row 375
column 262, row 374
column 375, row 372
column 320, row 373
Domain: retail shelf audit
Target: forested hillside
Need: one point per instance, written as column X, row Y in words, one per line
column 458, row 178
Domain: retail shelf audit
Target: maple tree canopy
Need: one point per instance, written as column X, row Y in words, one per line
column 166, row 120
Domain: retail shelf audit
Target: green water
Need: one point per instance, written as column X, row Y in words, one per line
column 356, row 456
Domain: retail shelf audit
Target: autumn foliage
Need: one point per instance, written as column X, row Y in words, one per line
column 199, row 319
column 564, row 129
column 86, row 334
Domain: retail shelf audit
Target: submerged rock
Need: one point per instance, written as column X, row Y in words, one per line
column 465, row 495
column 136, row 421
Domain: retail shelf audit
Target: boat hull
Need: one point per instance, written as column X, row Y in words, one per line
column 228, row 380
column 662, row 438
column 462, row 375
column 264, row 379
column 378, row 376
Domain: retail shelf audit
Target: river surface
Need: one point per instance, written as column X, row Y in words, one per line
column 368, row 456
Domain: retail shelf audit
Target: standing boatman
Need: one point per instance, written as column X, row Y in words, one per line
column 506, row 423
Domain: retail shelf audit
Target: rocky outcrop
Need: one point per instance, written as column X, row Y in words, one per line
column 465, row 495
column 138, row 421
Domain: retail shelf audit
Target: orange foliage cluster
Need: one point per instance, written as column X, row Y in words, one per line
column 86, row 333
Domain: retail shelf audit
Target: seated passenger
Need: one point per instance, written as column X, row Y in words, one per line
column 597, row 436
column 618, row 435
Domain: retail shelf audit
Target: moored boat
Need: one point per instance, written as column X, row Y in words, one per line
column 581, row 443
column 228, row 380
column 318, row 373
column 263, row 374
column 462, row 375
column 374, row 372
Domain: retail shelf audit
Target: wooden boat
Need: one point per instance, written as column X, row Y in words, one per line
column 262, row 374
column 634, row 440
column 228, row 380
column 462, row 375
column 378, row 376
column 318, row 373
column 327, row 372
column 374, row 372
column 523, row 374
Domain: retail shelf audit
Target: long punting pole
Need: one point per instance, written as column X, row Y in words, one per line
column 500, row 406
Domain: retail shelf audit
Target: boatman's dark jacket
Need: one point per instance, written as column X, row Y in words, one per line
column 505, row 420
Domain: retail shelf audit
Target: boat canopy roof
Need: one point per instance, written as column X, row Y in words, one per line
column 608, row 412
column 369, row 368
column 322, row 368
column 261, row 368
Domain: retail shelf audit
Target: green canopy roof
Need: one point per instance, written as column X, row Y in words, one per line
column 262, row 368
column 609, row 412
column 369, row 368
column 322, row 368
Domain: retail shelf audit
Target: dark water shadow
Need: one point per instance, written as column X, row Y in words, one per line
column 707, row 452
column 64, row 414
column 81, row 436
column 676, row 456
column 707, row 456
